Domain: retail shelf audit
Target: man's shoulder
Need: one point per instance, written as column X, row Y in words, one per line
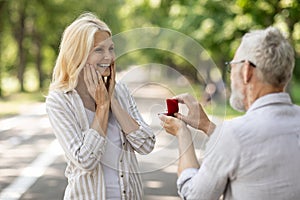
column 239, row 127
column 296, row 107
column 229, row 128
column 237, row 123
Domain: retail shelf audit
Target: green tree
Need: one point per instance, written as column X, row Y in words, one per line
column 37, row 26
column 217, row 25
column 32, row 29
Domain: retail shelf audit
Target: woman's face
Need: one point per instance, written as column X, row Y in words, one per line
column 102, row 55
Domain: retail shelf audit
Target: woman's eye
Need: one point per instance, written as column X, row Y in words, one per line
column 111, row 48
column 99, row 50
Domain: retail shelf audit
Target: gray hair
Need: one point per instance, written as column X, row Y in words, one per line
column 272, row 54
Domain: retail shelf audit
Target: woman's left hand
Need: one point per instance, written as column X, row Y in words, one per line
column 111, row 82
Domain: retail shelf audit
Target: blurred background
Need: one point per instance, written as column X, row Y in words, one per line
column 30, row 34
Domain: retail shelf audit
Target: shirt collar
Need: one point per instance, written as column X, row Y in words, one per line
column 71, row 90
column 273, row 98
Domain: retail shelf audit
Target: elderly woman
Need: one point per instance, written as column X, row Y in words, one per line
column 95, row 119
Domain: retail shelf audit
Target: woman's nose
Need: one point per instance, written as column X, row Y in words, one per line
column 107, row 55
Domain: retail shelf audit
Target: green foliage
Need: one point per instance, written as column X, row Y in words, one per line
column 217, row 25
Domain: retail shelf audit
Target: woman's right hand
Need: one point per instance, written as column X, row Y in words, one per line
column 96, row 86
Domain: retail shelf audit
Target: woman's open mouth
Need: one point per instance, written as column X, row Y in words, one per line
column 103, row 65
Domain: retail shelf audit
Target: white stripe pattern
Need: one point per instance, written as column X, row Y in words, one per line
column 84, row 147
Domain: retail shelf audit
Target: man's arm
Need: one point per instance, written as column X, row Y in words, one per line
column 187, row 155
column 218, row 166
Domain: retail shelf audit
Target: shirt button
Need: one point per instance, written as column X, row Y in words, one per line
column 124, row 191
column 123, row 143
column 122, row 175
column 121, row 160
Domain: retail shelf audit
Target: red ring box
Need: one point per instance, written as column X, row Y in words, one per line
column 172, row 105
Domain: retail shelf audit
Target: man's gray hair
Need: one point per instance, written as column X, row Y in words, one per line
column 273, row 55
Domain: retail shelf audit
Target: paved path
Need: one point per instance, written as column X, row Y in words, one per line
column 32, row 164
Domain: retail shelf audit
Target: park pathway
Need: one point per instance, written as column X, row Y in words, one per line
column 32, row 163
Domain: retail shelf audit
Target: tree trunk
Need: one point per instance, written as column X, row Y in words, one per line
column 2, row 5
column 1, row 93
column 20, row 35
column 38, row 61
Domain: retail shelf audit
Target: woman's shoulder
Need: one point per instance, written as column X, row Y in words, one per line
column 54, row 94
column 59, row 96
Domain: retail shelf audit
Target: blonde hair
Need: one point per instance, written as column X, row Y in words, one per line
column 76, row 44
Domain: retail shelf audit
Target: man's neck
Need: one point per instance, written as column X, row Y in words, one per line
column 257, row 90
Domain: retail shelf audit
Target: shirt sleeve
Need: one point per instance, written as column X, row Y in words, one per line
column 142, row 140
column 219, row 166
column 83, row 147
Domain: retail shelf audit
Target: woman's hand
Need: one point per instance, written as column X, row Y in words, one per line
column 96, row 86
column 128, row 124
column 111, row 82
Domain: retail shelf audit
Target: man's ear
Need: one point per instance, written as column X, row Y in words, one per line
column 247, row 72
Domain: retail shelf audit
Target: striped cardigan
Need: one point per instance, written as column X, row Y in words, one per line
column 84, row 146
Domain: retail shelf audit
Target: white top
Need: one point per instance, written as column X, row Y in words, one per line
column 255, row 156
column 111, row 156
column 84, row 147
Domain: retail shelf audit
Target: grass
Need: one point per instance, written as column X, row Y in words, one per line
column 295, row 92
column 222, row 111
column 12, row 104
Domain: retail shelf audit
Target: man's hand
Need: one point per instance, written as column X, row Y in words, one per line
column 196, row 117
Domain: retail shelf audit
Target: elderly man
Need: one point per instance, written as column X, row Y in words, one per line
column 255, row 156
